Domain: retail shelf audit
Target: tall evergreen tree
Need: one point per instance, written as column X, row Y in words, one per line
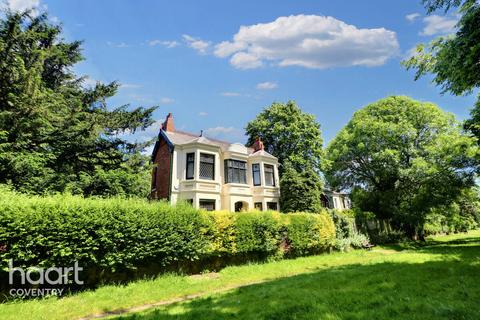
column 55, row 134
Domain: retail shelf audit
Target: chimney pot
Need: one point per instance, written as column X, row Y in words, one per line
column 258, row 145
column 168, row 125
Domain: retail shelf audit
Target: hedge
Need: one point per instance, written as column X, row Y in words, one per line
column 111, row 237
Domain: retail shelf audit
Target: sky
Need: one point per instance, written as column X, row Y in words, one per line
column 216, row 64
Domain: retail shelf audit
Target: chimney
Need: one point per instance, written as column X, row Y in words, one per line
column 258, row 145
column 168, row 124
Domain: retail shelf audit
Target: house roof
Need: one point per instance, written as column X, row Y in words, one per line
column 182, row 138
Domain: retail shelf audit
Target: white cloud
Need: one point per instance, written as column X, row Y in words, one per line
column 412, row 16
column 117, row 45
column 244, row 60
column 197, row 44
column 165, row 43
column 22, row 5
column 218, row 130
column 166, row 100
column 230, row 94
column 225, row 133
column 267, row 85
column 203, row 114
column 435, row 25
column 309, row 41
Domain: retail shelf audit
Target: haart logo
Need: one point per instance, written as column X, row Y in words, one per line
column 54, row 276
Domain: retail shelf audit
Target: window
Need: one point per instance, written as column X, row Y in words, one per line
column 190, row 165
column 335, row 205
column 269, row 175
column 272, row 206
column 207, row 166
column 235, row 171
column 256, row 174
column 258, row 206
column 207, row 204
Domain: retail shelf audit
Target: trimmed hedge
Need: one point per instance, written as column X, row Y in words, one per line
column 118, row 236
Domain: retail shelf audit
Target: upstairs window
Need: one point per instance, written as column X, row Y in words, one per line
column 256, row 174
column 207, row 166
column 269, row 175
column 235, row 171
column 190, row 165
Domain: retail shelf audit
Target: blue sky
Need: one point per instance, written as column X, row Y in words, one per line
column 194, row 58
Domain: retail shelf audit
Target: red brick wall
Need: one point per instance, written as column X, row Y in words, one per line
column 163, row 165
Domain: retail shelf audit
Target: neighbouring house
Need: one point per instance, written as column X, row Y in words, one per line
column 213, row 174
column 335, row 200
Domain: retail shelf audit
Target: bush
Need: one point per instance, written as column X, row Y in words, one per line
column 114, row 239
column 309, row 233
column 347, row 235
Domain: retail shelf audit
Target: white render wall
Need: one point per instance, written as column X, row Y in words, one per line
column 225, row 195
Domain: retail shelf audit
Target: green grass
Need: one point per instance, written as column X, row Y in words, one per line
column 438, row 281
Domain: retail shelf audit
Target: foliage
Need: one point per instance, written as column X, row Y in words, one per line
column 403, row 278
column 289, row 134
column 346, row 233
column 56, row 133
column 111, row 237
column 294, row 137
column 309, row 233
column 300, row 190
column 402, row 157
column 257, row 232
column 344, row 225
column 453, row 60
column 460, row 216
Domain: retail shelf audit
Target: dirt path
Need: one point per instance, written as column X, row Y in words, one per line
column 143, row 307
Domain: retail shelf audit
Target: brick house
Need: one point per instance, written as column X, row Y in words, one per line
column 213, row 174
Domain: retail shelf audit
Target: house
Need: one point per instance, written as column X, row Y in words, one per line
column 213, row 174
column 335, row 200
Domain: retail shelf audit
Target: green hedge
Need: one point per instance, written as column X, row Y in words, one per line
column 117, row 236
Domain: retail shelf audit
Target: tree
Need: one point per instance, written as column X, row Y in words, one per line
column 288, row 134
column 402, row 158
column 454, row 60
column 55, row 134
column 301, row 191
column 294, row 137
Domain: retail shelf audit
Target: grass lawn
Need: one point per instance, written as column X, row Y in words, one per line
column 437, row 281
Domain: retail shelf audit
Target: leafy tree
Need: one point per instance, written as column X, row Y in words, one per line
column 294, row 137
column 454, row 60
column 402, row 158
column 55, row 134
column 301, row 191
column 289, row 134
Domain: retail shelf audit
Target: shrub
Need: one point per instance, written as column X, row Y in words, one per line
column 309, row 233
column 116, row 239
column 257, row 232
column 344, row 224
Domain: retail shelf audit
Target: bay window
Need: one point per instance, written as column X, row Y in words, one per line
column 269, row 175
column 256, row 174
column 235, row 171
column 207, row 166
